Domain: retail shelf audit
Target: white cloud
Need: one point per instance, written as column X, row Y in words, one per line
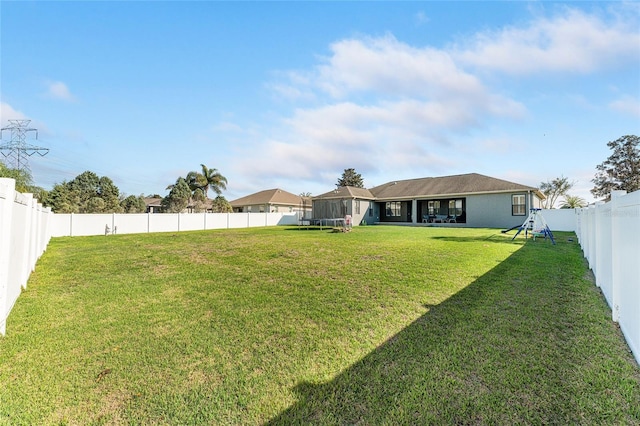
column 7, row 112
column 59, row 90
column 376, row 104
column 572, row 41
column 626, row 105
column 386, row 66
column 386, row 107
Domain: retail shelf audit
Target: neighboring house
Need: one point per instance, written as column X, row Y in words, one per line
column 272, row 201
column 154, row 204
column 472, row 200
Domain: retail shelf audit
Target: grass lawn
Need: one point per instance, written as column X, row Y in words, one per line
column 382, row 325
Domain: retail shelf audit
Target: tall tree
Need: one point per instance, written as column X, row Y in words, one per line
column 221, row 205
column 197, row 183
column 23, row 178
column 133, row 204
column 86, row 193
column 350, row 178
column 214, row 181
column 554, row 189
column 621, row 171
column 178, row 198
column 200, row 182
column 24, row 182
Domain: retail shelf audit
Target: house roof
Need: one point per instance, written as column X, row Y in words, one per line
column 153, row 201
column 342, row 192
column 471, row 183
column 269, row 196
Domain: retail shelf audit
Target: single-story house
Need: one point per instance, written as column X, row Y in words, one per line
column 154, row 204
column 272, row 201
column 471, row 200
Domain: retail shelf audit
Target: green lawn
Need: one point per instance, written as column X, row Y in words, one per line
column 382, row 325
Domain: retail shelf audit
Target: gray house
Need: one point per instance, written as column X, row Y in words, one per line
column 471, row 200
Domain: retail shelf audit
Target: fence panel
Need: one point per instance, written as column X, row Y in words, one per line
column 192, row 221
column 216, row 220
column 24, row 235
column 609, row 235
column 238, row 220
column 603, row 250
column 626, row 267
column 560, row 219
column 163, row 222
column 131, row 223
column 94, row 224
column 7, row 291
column 20, row 265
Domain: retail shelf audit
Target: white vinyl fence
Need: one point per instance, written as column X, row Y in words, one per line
column 560, row 219
column 609, row 235
column 24, row 236
column 74, row 225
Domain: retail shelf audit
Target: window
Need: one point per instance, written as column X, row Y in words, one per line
column 393, row 208
column 357, row 206
column 455, row 207
column 518, row 205
column 434, row 207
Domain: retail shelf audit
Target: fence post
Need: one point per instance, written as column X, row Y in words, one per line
column 7, row 195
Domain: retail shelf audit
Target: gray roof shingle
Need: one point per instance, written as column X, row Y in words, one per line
column 346, row 192
column 471, row 183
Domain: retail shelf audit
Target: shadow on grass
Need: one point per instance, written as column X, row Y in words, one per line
column 521, row 344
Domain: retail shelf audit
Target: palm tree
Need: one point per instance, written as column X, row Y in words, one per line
column 573, row 202
column 197, row 184
column 212, row 179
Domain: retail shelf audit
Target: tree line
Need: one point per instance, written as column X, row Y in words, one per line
column 90, row 193
column 620, row 171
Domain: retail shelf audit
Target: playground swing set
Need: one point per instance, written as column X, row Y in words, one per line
column 534, row 225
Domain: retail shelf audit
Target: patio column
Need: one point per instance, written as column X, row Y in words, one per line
column 414, row 211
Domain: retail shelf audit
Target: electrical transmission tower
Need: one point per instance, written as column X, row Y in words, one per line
column 18, row 150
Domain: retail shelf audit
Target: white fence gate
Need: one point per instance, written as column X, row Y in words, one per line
column 609, row 235
column 24, row 236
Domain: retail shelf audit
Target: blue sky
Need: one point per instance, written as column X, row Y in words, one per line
column 289, row 94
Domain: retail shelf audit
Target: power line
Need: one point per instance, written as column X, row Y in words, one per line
column 18, row 150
